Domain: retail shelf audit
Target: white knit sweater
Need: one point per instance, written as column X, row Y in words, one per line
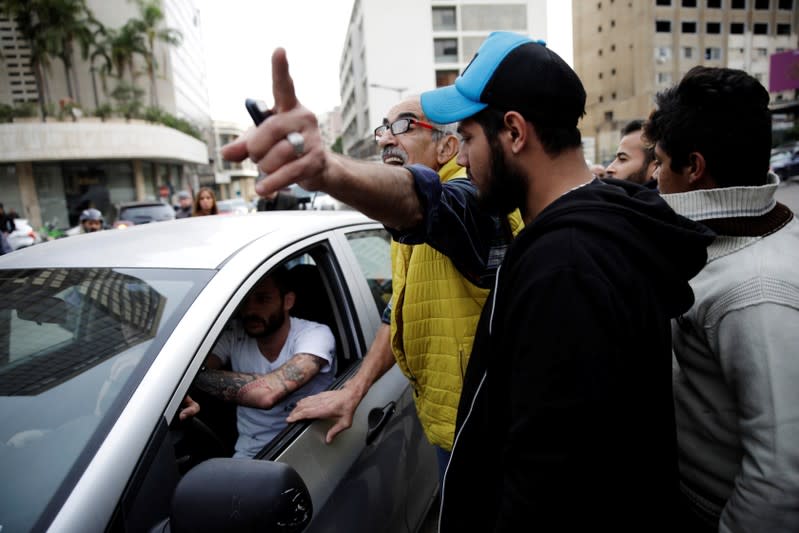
column 736, row 370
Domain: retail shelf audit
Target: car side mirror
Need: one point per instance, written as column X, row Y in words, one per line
column 224, row 494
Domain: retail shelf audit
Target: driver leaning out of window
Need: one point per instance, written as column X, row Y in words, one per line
column 276, row 360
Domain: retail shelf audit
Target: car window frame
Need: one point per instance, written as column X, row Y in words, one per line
column 338, row 262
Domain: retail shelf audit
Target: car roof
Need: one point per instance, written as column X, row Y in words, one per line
column 144, row 203
column 195, row 242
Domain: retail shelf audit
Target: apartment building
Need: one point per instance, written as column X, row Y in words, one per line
column 232, row 179
column 627, row 51
column 398, row 49
column 50, row 171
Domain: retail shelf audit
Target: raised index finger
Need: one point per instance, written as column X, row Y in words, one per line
column 282, row 84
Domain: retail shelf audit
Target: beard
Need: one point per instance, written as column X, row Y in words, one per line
column 259, row 327
column 504, row 189
column 639, row 176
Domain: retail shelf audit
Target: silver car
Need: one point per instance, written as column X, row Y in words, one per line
column 101, row 336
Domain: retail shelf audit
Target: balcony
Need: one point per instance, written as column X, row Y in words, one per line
column 89, row 138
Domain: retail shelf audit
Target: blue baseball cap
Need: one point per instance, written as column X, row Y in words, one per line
column 511, row 72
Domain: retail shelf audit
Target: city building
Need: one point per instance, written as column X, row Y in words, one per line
column 330, row 126
column 233, row 180
column 423, row 44
column 85, row 155
column 625, row 52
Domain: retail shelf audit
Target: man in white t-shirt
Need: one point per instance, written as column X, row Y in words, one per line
column 276, row 360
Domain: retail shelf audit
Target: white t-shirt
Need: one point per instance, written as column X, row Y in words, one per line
column 258, row 426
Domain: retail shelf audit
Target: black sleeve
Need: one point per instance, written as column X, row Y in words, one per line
column 457, row 227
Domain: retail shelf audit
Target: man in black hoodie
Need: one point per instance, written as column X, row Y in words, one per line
column 566, row 420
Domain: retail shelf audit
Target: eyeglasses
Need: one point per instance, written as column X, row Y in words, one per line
column 401, row 125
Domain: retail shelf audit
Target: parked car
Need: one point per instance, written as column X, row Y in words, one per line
column 144, row 212
column 234, row 206
column 324, row 202
column 785, row 162
column 24, row 235
column 99, row 348
column 317, row 200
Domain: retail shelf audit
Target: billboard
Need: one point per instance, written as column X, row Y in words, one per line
column 784, row 71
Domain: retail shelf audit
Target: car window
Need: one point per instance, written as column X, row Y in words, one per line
column 372, row 249
column 143, row 214
column 324, row 297
column 73, row 345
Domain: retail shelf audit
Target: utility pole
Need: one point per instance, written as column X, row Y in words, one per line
column 398, row 90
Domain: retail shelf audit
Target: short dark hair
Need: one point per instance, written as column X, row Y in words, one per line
column 721, row 113
column 649, row 149
column 554, row 138
column 282, row 279
column 632, row 127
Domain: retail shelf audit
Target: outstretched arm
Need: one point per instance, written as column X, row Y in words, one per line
column 340, row 405
column 260, row 390
column 382, row 192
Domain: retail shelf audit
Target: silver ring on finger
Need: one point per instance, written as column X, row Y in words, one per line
column 297, row 141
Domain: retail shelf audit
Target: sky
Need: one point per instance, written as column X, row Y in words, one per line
column 240, row 35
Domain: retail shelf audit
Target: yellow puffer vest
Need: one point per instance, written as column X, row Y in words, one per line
column 433, row 320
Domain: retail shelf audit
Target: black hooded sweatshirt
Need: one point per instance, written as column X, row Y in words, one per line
column 566, row 420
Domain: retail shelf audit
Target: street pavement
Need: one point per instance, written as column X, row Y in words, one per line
column 788, row 193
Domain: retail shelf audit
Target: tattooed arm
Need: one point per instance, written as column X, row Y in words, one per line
column 260, row 390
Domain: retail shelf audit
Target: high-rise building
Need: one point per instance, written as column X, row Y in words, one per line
column 52, row 170
column 625, row 52
column 233, row 179
column 397, row 49
column 330, row 126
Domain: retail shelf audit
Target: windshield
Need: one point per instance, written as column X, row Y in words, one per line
column 74, row 343
column 147, row 213
column 236, row 204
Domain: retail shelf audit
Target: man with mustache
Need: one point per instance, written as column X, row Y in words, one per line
column 566, row 416
column 275, row 360
column 429, row 324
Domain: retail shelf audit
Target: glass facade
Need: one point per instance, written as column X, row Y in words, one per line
column 65, row 189
column 9, row 184
column 444, row 18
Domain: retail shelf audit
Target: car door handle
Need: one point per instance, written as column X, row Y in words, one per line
column 378, row 418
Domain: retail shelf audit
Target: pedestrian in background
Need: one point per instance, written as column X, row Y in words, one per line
column 91, row 220
column 278, row 201
column 635, row 160
column 737, row 348
column 205, row 203
column 597, row 170
column 7, row 226
column 567, row 395
column 184, row 207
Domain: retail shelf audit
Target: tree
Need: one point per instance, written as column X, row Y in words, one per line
column 71, row 23
column 35, row 27
column 128, row 98
column 149, row 24
column 100, row 52
column 123, row 45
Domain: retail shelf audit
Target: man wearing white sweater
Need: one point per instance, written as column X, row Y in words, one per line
column 737, row 348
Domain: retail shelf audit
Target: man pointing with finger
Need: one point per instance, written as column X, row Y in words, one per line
column 566, row 417
column 429, row 325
